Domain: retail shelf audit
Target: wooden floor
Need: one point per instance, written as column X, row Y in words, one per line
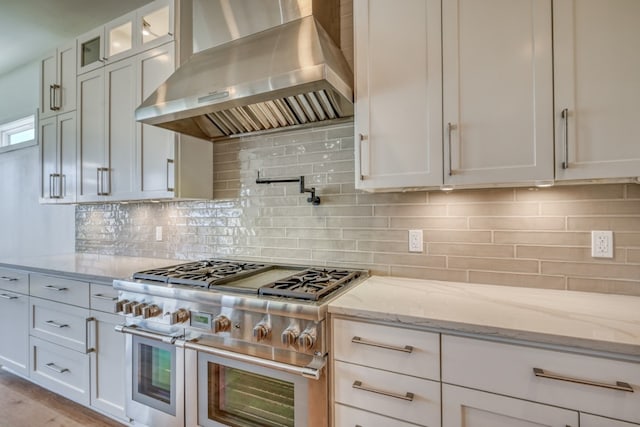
column 24, row 404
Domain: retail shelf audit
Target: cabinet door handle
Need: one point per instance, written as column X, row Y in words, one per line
column 56, row 324
column 56, row 368
column 51, row 98
column 619, row 385
column 8, row 279
column 405, row 349
column 408, row 396
column 565, row 147
column 7, row 296
column 449, row 128
column 170, row 187
column 91, row 348
column 55, row 288
column 100, row 178
column 365, row 156
column 104, row 297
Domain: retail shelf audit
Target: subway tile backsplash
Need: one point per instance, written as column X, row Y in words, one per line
column 506, row 236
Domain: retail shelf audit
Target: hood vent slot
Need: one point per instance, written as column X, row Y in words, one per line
column 290, row 111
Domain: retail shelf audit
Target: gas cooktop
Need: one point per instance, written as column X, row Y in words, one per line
column 294, row 282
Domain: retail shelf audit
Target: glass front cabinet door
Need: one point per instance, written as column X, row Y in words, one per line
column 155, row 23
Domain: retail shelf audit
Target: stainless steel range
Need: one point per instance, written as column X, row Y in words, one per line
column 243, row 343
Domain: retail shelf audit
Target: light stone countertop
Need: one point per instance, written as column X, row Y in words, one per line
column 90, row 267
column 591, row 321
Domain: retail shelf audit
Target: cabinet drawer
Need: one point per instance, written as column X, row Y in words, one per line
column 61, row 370
column 63, row 324
column 61, row 290
column 346, row 416
column 399, row 396
column 406, row 351
column 103, row 298
column 14, row 280
column 509, row 369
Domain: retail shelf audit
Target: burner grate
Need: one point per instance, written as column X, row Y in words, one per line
column 204, row 274
column 311, row 284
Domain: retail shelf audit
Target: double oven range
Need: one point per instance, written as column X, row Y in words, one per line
column 229, row 343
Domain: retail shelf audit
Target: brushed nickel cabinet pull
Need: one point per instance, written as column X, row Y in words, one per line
column 56, row 324
column 7, row 296
column 90, row 348
column 56, row 368
column 56, row 106
column 619, row 385
column 405, row 349
column 8, row 279
column 407, row 396
column 565, row 117
column 170, row 187
column 104, row 297
column 365, row 167
column 55, row 288
column 449, row 128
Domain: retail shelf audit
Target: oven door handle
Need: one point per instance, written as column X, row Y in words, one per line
column 312, row 371
column 134, row 330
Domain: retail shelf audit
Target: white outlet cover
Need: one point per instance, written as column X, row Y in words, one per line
column 415, row 240
column 158, row 233
column 602, row 244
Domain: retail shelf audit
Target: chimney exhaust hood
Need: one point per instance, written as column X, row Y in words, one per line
column 289, row 75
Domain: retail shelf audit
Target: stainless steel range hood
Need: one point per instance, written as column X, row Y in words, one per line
column 293, row 74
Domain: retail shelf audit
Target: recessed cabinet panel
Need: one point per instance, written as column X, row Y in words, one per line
column 14, row 332
column 120, row 79
column 156, row 23
column 596, row 101
column 58, row 158
column 157, row 145
column 464, row 407
column 398, row 94
column 497, row 91
column 90, row 53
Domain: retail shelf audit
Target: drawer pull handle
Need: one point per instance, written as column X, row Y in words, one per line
column 408, row 396
column 619, row 385
column 405, row 349
column 8, row 279
column 105, row 297
column 55, row 288
column 7, row 296
column 56, row 324
column 56, row 368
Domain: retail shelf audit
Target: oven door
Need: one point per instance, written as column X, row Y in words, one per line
column 241, row 393
column 154, row 378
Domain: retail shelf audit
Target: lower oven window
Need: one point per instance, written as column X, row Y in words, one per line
column 241, row 398
column 155, row 373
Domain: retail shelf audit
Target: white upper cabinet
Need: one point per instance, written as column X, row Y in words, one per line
column 142, row 29
column 398, row 94
column 597, row 107
column 497, row 91
column 58, row 158
column 58, row 81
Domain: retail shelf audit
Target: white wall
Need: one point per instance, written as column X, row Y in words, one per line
column 26, row 227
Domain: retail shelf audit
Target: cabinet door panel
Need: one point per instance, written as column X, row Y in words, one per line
column 66, row 96
column 14, row 332
column 497, row 91
column 120, row 79
column 462, row 407
column 91, row 108
column 48, row 78
column 398, row 94
column 157, row 145
column 596, row 70
column 67, row 146
column 49, row 157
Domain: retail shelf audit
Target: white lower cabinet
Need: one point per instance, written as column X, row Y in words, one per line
column 584, row 383
column 107, row 365
column 14, row 321
column 385, row 375
column 587, row 420
column 463, row 407
column 60, row 369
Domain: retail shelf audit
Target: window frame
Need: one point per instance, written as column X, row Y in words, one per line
column 17, row 125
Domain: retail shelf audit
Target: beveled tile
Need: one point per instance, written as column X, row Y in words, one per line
column 633, row 256
column 471, row 196
column 580, row 254
column 610, row 207
column 604, row 223
column 571, row 192
column 357, row 222
column 520, row 280
column 623, row 287
column 471, row 249
column 493, row 264
column 447, row 223
column 346, row 256
column 530, row 223
column 416, row 260
column 429, row 273
column 389, row 199
column 401, row 210
column 593, row 269
column 444, row 236
column 633, row 191
column 550, row 238
column 494, row 209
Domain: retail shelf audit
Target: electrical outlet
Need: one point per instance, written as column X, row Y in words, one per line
column 602, row 244
column 415, row 240
column 158, row 233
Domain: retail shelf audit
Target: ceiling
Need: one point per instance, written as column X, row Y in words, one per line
column 30, row 28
